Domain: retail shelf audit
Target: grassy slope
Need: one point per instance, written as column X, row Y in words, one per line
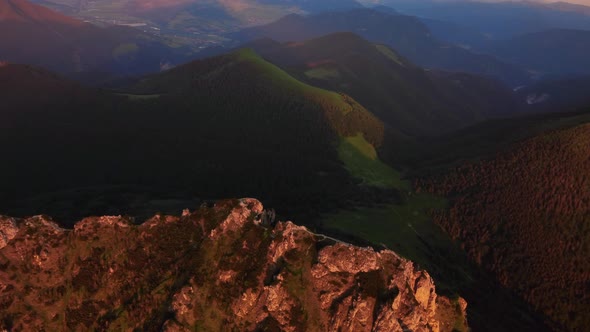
column 390, row 54
column 279, row 78
column 407, row 98
column 362, row 162
column 407, row 227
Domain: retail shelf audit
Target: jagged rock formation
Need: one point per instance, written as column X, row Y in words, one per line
column 216, row 269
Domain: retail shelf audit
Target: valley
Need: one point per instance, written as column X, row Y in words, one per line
column 399, row 144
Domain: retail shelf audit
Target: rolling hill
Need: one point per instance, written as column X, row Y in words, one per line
column 194, row 131
column 405, row 34
column 34, row 35
column 412, row 101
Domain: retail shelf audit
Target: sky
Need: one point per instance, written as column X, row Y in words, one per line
column 581, row 2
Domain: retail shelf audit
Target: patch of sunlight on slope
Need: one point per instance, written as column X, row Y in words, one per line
column 361, row 160
column 126, row 49
column 323, row 73
column 280, row 78
column 390, row 54
column 342, row 113
column 405, row 228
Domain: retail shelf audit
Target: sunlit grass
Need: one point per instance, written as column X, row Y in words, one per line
column 361, row 160
column 322, row 73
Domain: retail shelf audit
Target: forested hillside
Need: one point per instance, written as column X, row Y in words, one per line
column 523, row 215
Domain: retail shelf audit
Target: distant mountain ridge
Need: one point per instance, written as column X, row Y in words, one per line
column 405, row 34
column 496, row 19
column 410, row 100
column 556, row 52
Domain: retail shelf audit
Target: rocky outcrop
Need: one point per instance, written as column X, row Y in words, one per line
column 219, row 268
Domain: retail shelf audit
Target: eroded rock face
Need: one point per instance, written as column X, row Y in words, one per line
column 216, row 269
column 8, row 230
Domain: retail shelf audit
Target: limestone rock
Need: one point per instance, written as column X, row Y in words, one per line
column 217, row 268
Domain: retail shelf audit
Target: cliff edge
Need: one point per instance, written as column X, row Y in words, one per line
column 225, row 267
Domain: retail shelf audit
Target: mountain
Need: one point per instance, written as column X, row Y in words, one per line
column 35, row 35
column 18, row 81
column 522, row 215
column 412, row 101
column 235, row 126
column 407, row 35
column 449, row 32
column 217, row 268
column 497, row 20
column 463, row 36
column 194, row 130
column 553, row 52
column 569, row 7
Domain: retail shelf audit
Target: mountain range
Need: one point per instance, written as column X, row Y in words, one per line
column 557, row 52
column 410, row 100
column 207, row 124
column 454, row 150
column 497, row 20
column 183, row 127
column 406, row 34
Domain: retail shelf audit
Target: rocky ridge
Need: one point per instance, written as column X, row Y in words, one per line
column 219, row 268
